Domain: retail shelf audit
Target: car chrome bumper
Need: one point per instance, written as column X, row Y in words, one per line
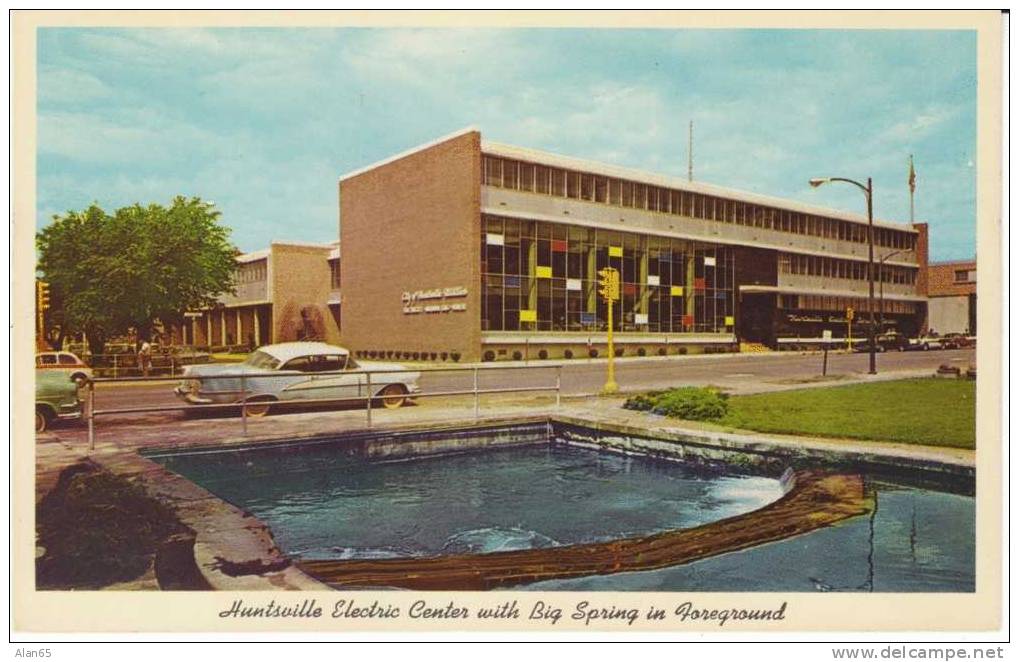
column 189, row 397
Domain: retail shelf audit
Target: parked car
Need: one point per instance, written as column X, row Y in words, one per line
column 293, row 371
column 924, row 343
column 885, row 342
column 66, row 362
column 56, row 397
column 956, row 341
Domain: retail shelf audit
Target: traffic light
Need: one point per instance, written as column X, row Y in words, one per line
column 608, row 284
column 850, row 314
column 42, row 295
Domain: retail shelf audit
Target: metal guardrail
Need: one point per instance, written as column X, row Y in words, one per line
column 244, row 402
column 126, row 364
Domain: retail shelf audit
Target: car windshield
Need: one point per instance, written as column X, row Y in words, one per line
column 260, row 359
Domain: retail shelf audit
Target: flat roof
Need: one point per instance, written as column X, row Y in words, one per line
column 668, row 181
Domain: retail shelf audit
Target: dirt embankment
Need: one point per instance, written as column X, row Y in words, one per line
column 95, row 530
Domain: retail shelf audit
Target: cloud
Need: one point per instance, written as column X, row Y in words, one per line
column 59, row 85
column 264, row 120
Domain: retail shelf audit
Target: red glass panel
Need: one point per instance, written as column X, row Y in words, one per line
column 559, row 246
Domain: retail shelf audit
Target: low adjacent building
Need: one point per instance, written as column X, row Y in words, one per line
column 952, row 296
column 288, row 291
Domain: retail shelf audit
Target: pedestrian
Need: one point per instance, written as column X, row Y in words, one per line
column 145, row 357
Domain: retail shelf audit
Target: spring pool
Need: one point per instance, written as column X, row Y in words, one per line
column 326, row 501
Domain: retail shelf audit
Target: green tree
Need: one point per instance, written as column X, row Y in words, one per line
column 136, row 266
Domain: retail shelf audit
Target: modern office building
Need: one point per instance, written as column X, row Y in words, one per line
column 288, row 291
column 952, row 296
column 487, row 251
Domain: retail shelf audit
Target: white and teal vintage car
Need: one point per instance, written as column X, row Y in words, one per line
column 296, row 371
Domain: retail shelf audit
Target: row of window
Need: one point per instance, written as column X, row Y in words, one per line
column 532, row 248
column 816, row 302
column 815, row 265
column 544, row 277
column 547, row 180
column 251, row 272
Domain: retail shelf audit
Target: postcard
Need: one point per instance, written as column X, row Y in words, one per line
column 512, row 322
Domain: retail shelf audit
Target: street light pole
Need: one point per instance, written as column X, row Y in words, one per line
column 881, row 286
column 868, row 191
column 870, row 274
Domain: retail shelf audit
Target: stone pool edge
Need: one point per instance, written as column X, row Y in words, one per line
column 234, row 550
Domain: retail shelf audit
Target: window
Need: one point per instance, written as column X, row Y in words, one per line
column 67, row 359
column 965, row 276
column 526, row 177
column 300, row 364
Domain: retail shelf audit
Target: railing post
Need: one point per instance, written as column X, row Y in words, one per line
column 244, row 406
column 368, row 397
column 114, row 366
column 477, row 402
column 91, row 415
column 558, row 384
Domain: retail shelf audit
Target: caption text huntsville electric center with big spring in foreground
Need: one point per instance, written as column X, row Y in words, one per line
column 491, row 252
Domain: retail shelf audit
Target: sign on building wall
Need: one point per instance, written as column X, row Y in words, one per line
column 438, row 300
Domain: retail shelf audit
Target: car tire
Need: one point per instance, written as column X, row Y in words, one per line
column 926, row 347
column 43, row 419
column 258, row 407
column 393, row 396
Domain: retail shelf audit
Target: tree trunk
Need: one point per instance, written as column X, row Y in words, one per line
column 96, row 343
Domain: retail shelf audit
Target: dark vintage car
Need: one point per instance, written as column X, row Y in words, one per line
column 957, row 341
column 886, row 342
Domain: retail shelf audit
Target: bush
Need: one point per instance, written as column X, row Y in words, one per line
column 642, row 401
column 690, row 403
column 568, row 354
column 543, row 354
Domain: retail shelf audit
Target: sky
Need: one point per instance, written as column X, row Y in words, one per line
column 264, row 121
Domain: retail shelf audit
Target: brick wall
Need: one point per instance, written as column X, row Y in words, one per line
column 300, row 294
column 407, row 225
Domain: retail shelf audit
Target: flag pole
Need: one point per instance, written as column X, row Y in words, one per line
column 912, row 189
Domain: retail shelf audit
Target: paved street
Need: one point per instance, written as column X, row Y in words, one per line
column 738, row 373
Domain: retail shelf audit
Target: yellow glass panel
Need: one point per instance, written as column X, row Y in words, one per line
column 729, row 320
column 615, row 251
column 543, row 272
column 528, row 315
column 677, row 290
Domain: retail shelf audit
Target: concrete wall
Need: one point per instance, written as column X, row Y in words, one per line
column 948, row 314
column 299, row 278
column 413, row 224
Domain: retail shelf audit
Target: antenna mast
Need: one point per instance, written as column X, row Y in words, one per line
column 689, row 153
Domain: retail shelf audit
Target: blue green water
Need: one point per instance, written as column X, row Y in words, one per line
column 321, row 502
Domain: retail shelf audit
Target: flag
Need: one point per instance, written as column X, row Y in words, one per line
column 912, row 175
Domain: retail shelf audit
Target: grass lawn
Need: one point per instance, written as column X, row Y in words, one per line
column 932, row 412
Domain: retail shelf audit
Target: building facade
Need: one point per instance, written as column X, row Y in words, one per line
column 952, row 293
column 289, row 291
column 491, row 251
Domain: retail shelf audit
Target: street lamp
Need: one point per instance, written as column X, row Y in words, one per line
column 868, row 192
column 881, row 284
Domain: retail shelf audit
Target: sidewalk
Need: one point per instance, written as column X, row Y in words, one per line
column 140, row 432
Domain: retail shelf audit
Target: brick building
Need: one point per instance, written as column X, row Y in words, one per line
column 952, row 296
column 289, row 291
column 491, row 251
